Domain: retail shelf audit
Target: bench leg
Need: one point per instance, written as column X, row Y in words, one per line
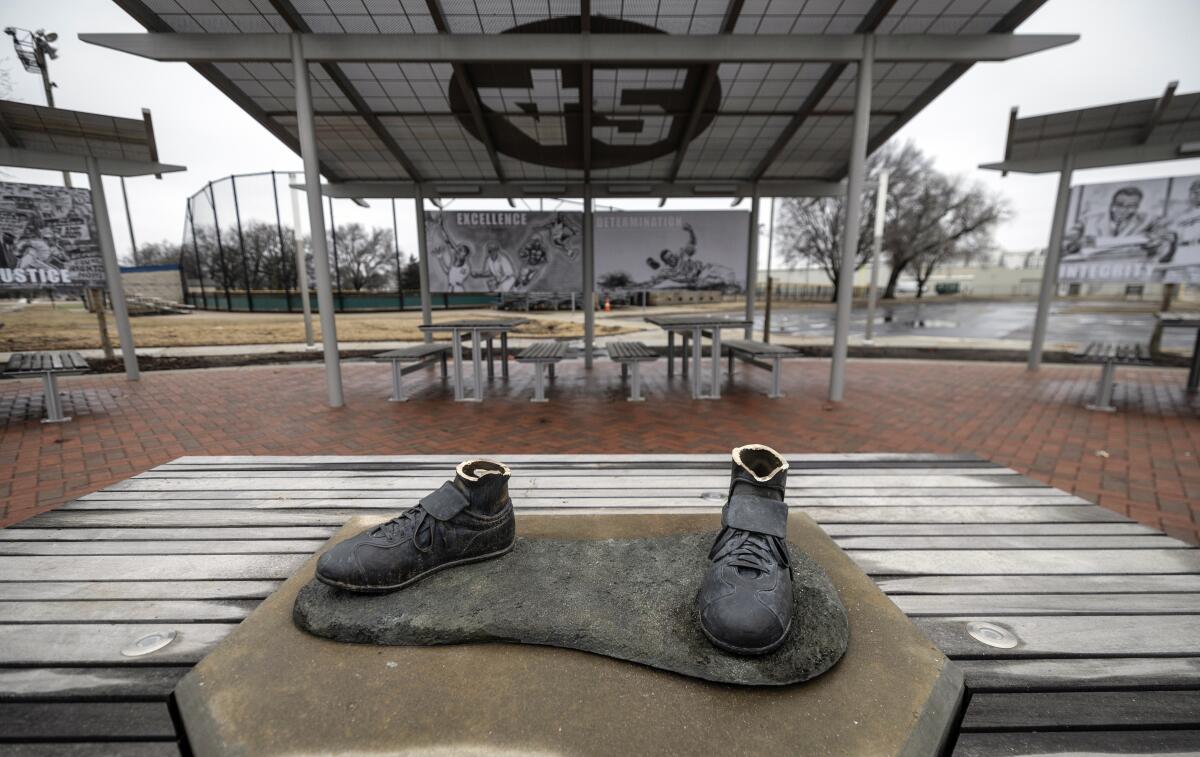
column 731, row 364
column 1193, row 379
column 504, row 354
column 670, row 354
column 624, row 371
column 1103, row 401
column 397, row 384
column 490, row 359
column 477, row 364
column 635, row 384
column 552, row 376
column 539, row 383
column 715, row 391
column 775, row 371
column 683, row 351
column 444, row 371
column 456, row 348
column 54, row 412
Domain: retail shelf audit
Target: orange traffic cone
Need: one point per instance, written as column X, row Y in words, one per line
column 607, row 304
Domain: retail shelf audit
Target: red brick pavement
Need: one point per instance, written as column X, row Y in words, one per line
column 1141, row 461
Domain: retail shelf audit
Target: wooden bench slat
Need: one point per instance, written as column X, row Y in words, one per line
column 1083, row 709
column 117, row 590
column 1082, row 635
column 1043, row 744
column 74, row 721
column 630, row 351
column 414, row 352
column 33, row 684
column 751, row 347
column 1103, row 673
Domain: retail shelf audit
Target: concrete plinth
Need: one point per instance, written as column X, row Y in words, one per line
column 271, row 689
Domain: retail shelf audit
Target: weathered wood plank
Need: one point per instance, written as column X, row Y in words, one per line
column 16, row 533
column 1079, row 636
column 67, row 721
column 524, row 473
column 543, row 499
column 951, row 562
column 988, row 529
column 127, row 681
column 101, row 643
column 337, row 516
column 625, row 460
column 1083, row 709
column 422, row 484
column 126, row 611
column 917, row 605
column 1094, row 743
column 160, row 567
column 1081, row 674
column 1019, row 584
column 91, row 749
column 1007, row 542
column 164, row 547
column 114, row 590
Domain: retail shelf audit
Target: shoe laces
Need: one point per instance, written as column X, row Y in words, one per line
column 748, row 550
column 414, row 521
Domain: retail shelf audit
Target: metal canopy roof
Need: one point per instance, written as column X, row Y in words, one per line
column 1140, row 131
column 36, row 136
column 510, row 126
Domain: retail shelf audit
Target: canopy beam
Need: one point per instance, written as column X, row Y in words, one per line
column 491, row 190
column 53, row 161
column 606, row 49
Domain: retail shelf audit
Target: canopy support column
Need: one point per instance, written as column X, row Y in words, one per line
column 316, row 223
column 423, row 264
column 854, row 185
column 876, row 251
column 1050, row 272
column 301, row 264
column 589, row 280
column 112, row 271
column 751, row 267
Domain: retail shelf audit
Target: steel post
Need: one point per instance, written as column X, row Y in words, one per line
column 301, row 264
column 854, row 184
column 112, row 271
column 589, row 283
column 316, row 223
column 876, row 251
column 423, row 264
column 1050, row 272
column 752, row 266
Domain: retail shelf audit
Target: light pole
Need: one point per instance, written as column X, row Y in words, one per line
column 35, row 51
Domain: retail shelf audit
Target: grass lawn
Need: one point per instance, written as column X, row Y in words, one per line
column 68, row 326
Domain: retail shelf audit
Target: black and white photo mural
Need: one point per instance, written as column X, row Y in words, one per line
column 1142, row 230
column 504, row 251
column 656, row 250
column 48, row 238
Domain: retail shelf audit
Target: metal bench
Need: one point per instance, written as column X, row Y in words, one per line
column 542, row 354
column 757, row 354
column 631, row 354
column 48, row 365
column 1108, row 355
column 419, row 355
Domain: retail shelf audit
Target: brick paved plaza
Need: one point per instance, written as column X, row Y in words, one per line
column 1142, row 460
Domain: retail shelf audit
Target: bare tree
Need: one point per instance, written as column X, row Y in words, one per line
column 366, row 259
column 810, row 229
column 156, row 253
column 948, row 220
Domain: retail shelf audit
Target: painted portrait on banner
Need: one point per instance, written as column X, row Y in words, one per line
column 504, row 251
column 1145, row 230
column 659, row 250
column 48, row 238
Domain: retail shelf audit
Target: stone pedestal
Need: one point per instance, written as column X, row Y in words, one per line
column 271, row 689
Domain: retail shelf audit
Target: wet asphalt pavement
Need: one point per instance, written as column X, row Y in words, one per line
column 985, row 320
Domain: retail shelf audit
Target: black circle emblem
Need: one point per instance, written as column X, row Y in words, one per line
column 564, row 148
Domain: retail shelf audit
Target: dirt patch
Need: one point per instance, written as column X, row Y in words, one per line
column 67, row 326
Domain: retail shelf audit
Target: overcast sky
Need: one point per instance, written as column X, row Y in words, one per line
column 1129, row 50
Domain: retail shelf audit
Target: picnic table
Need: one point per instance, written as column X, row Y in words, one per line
column 1077, row 629
column 695, row 326
column 478, row 328
column 1185, row 321
column 47, row 365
